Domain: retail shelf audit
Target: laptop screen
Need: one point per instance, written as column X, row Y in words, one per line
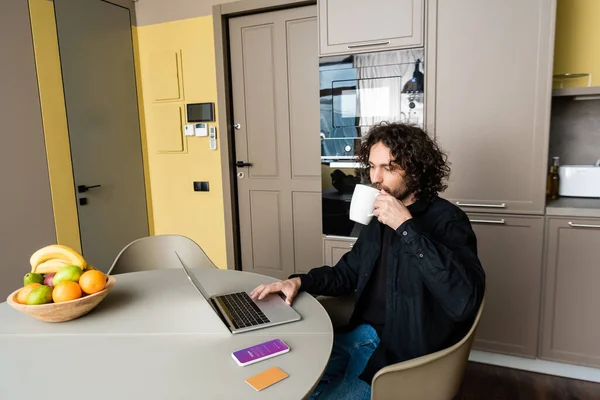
column 193, row 279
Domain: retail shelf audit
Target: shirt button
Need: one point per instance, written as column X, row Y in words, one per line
column 421, row 255
column 405, row 233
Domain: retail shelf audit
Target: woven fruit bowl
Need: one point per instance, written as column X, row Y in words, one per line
column 65, row 311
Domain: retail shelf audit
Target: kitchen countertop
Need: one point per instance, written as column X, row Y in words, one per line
column 574, row 207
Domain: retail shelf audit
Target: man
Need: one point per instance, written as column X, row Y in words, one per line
column 414, row 269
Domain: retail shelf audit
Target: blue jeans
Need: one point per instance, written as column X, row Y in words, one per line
column 351, row 351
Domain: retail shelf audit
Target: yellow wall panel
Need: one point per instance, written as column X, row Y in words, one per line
column 577, row 40
column 144, row 138
column 54, row 117
column 164, row 76
column 165, row 131
column 176, row 207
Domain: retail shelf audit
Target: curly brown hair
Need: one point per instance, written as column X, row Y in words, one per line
column 415, row 152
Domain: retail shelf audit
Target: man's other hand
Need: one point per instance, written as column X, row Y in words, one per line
column 288, row 287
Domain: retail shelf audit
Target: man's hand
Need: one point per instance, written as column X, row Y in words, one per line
column 289, row 288
column 390, row 211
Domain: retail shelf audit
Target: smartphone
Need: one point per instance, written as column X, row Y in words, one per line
column 260, row 352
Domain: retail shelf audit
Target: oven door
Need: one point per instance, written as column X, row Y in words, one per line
column 361, row 91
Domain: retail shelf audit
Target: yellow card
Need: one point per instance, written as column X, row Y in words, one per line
column 266, row 378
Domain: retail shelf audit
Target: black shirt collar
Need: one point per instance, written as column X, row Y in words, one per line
column 419, row 206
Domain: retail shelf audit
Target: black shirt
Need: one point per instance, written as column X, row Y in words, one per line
column 434, row 281
column 372, row 302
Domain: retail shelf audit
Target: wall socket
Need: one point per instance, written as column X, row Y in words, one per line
column 201, row 187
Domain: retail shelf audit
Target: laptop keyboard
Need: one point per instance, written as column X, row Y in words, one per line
column 243, row 311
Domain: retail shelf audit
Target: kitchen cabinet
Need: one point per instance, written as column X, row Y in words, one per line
column 510, row 251
column 491, row 107
column 571, row 295
column 335, row 248
column 353, row 26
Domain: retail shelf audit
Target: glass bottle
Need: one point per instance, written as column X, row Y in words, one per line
column 553, row 180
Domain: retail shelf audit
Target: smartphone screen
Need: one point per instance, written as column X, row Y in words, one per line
column 260, row 352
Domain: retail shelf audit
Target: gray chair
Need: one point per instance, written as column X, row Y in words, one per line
column 435, row 376
column 158, row 252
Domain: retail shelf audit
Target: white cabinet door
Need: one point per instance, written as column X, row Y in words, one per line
column 571, row 296
column 510, row 250
column 493, row 74
column 334, row 249
column 352, row 26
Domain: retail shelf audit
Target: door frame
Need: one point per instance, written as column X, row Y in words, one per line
column 221, row 14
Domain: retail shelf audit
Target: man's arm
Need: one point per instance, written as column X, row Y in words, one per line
column 339, row 280
column 329, row 281
column 449, row 265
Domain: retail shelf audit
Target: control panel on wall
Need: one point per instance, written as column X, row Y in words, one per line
column 198, row 116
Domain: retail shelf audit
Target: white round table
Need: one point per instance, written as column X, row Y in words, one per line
column 155, row 337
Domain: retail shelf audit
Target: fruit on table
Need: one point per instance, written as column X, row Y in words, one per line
column 51, row 258
column 66, row 291
column 51, row 266
column 24, row 292
column 68, row 273
column 40, row 295
column 59, row 274
column 32, row 277
column 92, row 281
column 48, row 279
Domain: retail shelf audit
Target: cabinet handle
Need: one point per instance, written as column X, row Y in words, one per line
column 382, row 43
column 572, row 225
column 458, row 203
column 488, row 221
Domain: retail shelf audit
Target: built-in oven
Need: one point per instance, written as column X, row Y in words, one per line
column 358, row 92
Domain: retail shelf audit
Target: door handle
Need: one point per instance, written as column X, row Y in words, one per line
column 84, row 188
column 488, row 221
column 573, row 225
column 458, row 203
column 241, row 164
column 382, row 43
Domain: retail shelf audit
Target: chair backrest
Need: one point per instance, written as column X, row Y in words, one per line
column 435, row 376
column 158, row 252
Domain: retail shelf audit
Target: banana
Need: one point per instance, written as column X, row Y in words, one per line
column 56, row 252
column 51, row 266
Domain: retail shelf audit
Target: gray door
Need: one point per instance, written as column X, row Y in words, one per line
column 275, row 85
column 96, row 55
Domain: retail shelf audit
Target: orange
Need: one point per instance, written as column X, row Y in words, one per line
column 24, row 292
column 92, row 281
column 66, row 291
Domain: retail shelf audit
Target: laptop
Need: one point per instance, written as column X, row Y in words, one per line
column 240, row 313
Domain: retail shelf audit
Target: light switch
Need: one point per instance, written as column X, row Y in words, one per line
column 189, row 130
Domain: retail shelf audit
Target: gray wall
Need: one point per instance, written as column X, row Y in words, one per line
column 26, row 219
column 575, row 130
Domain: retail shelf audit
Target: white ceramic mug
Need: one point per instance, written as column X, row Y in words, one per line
column 363, row 204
